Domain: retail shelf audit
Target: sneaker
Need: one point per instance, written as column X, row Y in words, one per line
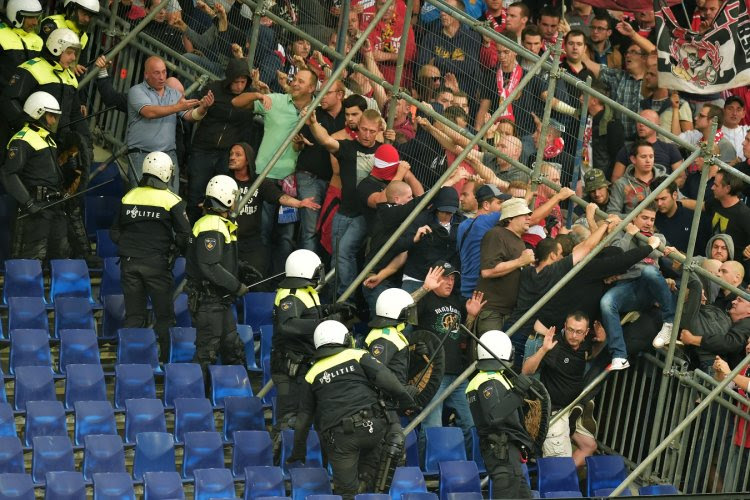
column 618, row 364
column 587, row 418
column 576, row 413
column 662, row 338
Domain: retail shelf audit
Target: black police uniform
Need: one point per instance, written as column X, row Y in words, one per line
column 212, row 285
column 496, row 409
column 16, row 47
column 32, row 176
column 343, row 396
column 151, row 230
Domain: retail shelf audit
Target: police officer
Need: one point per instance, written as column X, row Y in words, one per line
column 77, row 17
column 151, row 230
column 495, row 403
column 18, row 39
column 342, row 394
column 212, row 283
column 32, row 176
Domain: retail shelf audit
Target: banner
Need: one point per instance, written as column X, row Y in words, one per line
column 626, row 5
column 704, row 63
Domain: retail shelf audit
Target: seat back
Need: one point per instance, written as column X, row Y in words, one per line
column 246, row 335
column 407, row 480
column 192, row 415
column 658, row 489
column 113, row 316
column 309, row 481
column 137, row 345
column 314, row 457
column 102, row 453
column 78, row 347
column 557, row 474
column 162, row 486
column 203, row 450
column 11, row 455
column 181, row 344
column 73, row 313
column 44, row 418
column 242, row 414
column 443, row 444
column 27, row 313
column 604, row 471
column 33, row 383
column 154, row 452
column 258, row 307
column 93, row 418
column 64, row 485
column 105, row 247
column 29, row 348
column 476, row 452
column 251, row 448
column 263, row 480
column 133, row 382
column 69, row 278
column 213, row 483
column 113, row 486
column 110, row 284
column 143, row 415
column 51, row 453
column 7, row 420
column 461, row 476
column 16, row 487
column 228, row 380
column 84, row 383
column 23, row 278
column 183, row 380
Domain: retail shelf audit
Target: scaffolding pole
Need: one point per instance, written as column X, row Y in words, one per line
column 579, row 158
column 254, row 33
column 400, row 64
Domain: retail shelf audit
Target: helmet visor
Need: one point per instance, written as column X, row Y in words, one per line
column 409, row 314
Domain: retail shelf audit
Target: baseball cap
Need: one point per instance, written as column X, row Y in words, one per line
column 447, row 267
column 446, row 200
column 488, row 191
column 514, row 208
column 594, row 179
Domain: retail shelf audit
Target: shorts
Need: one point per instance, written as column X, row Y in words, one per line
column 557, row 443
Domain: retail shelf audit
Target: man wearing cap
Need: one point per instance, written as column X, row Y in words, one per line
column 470, row 233
column 502, row 255
column 597, row 188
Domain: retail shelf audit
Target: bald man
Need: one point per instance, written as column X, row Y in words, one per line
column 665, row 153
column 153, row 109
column 511, row 146
column 733, row 273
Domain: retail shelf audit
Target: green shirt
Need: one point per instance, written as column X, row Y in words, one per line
column 279, row 121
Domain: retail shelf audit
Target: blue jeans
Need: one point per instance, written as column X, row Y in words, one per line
column 348, row 235
column 633, row 295
column 135, row 171
column 309, row 186
column 457, row 401
column 277, row 237
column 371, row 295
column 201, row 167
column 411, row 285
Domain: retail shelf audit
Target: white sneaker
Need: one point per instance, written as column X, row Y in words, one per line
column 662, row 338
column 618, row 364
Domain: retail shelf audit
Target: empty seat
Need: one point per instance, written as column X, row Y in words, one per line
column 84, row 383
column 154, row 452
column 203, row 450
column 99, row 212
column 93, row 417
column 64, row 485
column 178, row 269
column 23, row 278
column 213, row 483
column 110, row 284
column 33, row 383
column 442, row 444
column 143, row 415
column 460, row 476
column 113, row 486
column 181, row 344
column 564, row 494
column 162, row 486
column 228, row 380
column 604, row 471
column 137, row 345
column 73, row 313
column 407, row 480
column 251, row 448
column 263, row 481
column 105, row 247
column 270, row 396
column 44, row 418
column 113, row 315
column 29, row 348
column 51, row 453
column 658, row 489
column 192, row 415
column 314, row 457
column 324, row 497
column 133, row 382
column 243, row 414
column 557, row 474
column 16, row 487
column 182, row 312
column 258, row 308
column 412, row 449
column 309, row 481
column 69, row 278
column 7, row 420
column 78, row 347
column 27, row 313
column 476, row 452
column 11, row 455
column 266, row 337
column 422, row 495
column 183, row 380
column 246, row 336
column 102, row 453
column 372, row 496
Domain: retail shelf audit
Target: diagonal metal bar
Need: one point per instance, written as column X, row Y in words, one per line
column 254, row 33
column 400, row 62
column 579, row 158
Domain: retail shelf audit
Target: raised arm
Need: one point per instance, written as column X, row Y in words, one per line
column 321, row 134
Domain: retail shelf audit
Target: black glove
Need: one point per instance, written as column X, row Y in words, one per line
column 31, row 207
column 72, row 164
column 421, row 349
column 407, row 401
column 241, row 290
column 521, row 385
column 248, row 273
column 344, row 309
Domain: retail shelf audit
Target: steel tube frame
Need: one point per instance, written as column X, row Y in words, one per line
column 593, row 384
column 343, row 30
column 400, row 63
column 579, row 146
column 254, row 33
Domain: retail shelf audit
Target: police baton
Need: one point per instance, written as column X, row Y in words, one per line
column 90, row 115
column 430, row 361
column 67, row 198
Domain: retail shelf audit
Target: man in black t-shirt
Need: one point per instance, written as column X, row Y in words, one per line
column 673, row 220
column 729, row 215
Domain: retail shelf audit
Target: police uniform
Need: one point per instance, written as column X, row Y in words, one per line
column 496, row 409
column 31, row 175
column 51, row 23
column 151, row 229
column 16, row 47
column 343, row 397
column 389, row 346
column 212, row 284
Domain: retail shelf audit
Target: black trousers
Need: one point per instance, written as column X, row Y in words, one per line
column 288, row 390
column 143, row 278
column 216, row 333
column 506, row 474
column 42, row 236
column 354, row 457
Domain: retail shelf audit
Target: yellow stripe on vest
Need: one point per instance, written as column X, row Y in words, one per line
column 152, row 197
column 393, row 335
column 484, row 377
column 307, row 295
column 331, row 361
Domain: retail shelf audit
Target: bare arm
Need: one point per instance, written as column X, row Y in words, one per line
column 531, row 365
column 151, row 111
column 546, row 208
column 247, row 99
column 321, row 134
column 502, row 268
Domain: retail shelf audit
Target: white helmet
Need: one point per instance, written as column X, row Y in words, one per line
column 330, row 332
column 305, row 266
column 91, row 6
column 39, row 103
column 16, row 10
column 61, row 40
column 394, row 306
column 498, row 344
column 223, row 190
column 159, row 165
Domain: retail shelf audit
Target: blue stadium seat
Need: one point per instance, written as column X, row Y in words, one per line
column 73, row 313
column 420, row 495
column 246, row 335
column 658, row 489
column 270, row 396
column 557, row 474
column 242, row 414
column 29, row 348
column 324, row 497
column 11, row 455
column 143, row 415
column 183, row 380
column 604, row 471
column 93, row 417
column 84, row 383
column 106, row 181
column 105, row 247
column 314, row 457
column 228, row 380
column 110, row 284
column 137, row 345
column 372, row 496
column 27, row 313
column 309, row 481
column 258, row 307
column 407, row 480
column 263, row 481
column 213, row 483
column 162, row 486
column 113, row 486
column 266, row 336
column 99, row 212
column 102, row 453
column 64, row 485
column 192, row 415
column 44, row 418
column 51, row 453
column 69, row 278
column 154, row 452
column 442, row 444
column 113, row 315
column 465, row 495
column 23, row 278
column 78, row 347
column 133, row 382
column 460, row 476
column 203, row 450
column 181, row 344
column 251, row 448
column 476, row 452
column 605, row 492
column 181, row 311
column 8, row 211
column 7, row 420
column 16, row 487
column 563, row 494
column 178, row 270
column 33, row 383
column 411, row 445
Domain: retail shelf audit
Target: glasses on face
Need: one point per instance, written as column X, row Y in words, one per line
column 579, row 333
column 598, row 28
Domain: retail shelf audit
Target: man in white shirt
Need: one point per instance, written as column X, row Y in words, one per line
column 734, row 112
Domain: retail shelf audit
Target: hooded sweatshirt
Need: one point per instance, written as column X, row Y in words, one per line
column 727, row 241
column 627, row 192
column 628, row 242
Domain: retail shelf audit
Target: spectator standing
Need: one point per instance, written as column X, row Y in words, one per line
column 596, row 186
column 674, row 221
column 675, row 114
column 580, row 17
column 633, row 187
column 720, row 247
column 702, row 132
column 665, row 153
column 729, row 215
column 733, row 130
column 600, row 31
column 385, row 41
column 605, row 134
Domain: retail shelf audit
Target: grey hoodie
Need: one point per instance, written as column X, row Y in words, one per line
column 727, row 241
column 627, row 192
column 628, row 242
